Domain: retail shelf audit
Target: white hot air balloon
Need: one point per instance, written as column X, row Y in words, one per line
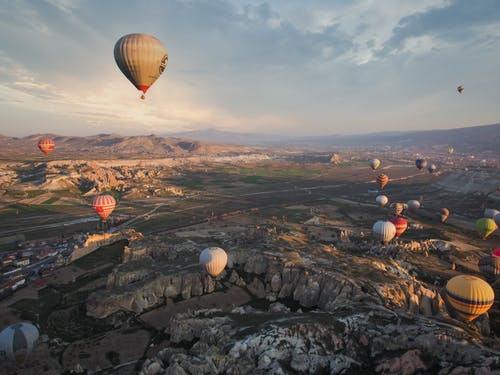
column 213, row 260
column 490, row 213
column 18, row 340
column 142, row 59
column 413, row 205
column 382, row 200
column 384, row 231
column 374, row 163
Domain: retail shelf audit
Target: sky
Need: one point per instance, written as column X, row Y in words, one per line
column 287, row 67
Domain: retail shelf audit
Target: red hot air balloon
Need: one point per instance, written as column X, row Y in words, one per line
column 46, row 145
column 382, row 180
column 104, row 205
column 496, row 253
column 400, row 224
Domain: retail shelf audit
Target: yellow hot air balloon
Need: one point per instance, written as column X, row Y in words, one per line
column 213, row 260
column 142, row 59
column 469, row 296
column 450, row 150
column 374, row 163
column 485, row 227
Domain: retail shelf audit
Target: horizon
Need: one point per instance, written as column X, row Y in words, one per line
column 252, row 67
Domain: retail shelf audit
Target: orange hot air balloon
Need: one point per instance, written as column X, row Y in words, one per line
column 382, row 180
column 46, row 145
column 400, row 224
column 104, row 205
column 443, row 214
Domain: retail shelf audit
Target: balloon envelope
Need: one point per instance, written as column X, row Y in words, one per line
column 17, row 341
column 496, row 252
column 397, row 208
column 213, row 260
column 384, row 231
column 443, row 214
column 432, row 168
column 485, row 227
column 469, row 296
column 382, row 200
column 460, row 89
column 490, row 213
column 400, row 224
column 382, row 180
column 46, row 145
column 420, row 163
column 413, row 205
column 142, row 59
column 104, row 205
column 374, row 163
column 450, row 150
column 489, row 267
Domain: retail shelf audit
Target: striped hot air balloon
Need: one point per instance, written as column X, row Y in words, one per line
column 489, row 267
column 382, row 180
column 142, row 59
column 18, row 340
column 397, row 208
column 213, row 260
column 469, row 296
column 104, row 205
column 400, row 224
column 421, row 163
column 46, row 145
column 485, row 227
column 382, row 200
column 443, row 214
column 374, row 163
column 384, row 231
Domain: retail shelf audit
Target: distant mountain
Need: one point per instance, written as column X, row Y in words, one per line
column 470, row 139
column 111, row 146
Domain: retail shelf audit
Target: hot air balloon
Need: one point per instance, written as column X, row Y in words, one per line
column 490, row 213
column 421, row 163
column 469, row 296
column 382, row 200
column 384, row 231
column 489, row 267
column 450, row 150
column 142, row 59
column 213, row 260
column 46, row 145
column 497, row 219
column 397, row 208
column 374, row 163
column 432, row 168
column 413, row 205
column 485, row 227
column 400, row 224
column 460, row 89
column 496, row 253
column 443, row 214
column 18, row 340
column 104, row 206
column 382, row 180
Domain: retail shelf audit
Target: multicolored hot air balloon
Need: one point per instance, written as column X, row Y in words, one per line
column 397, row 208
column 495, row 253
column 460, row 89
column 382, row 180
column 443, row 214
column 46, row 145
column 18, row 340
column 489, row 267
column 213, row 260
column 400, row 224
column 413, row 205
column 432, row 168
column 104, row 206
column 374, row 163
column 142, row 59
column 485, row 227
column 382, row 200
column 469, row 296
column 421, row 163
column 384, row 231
